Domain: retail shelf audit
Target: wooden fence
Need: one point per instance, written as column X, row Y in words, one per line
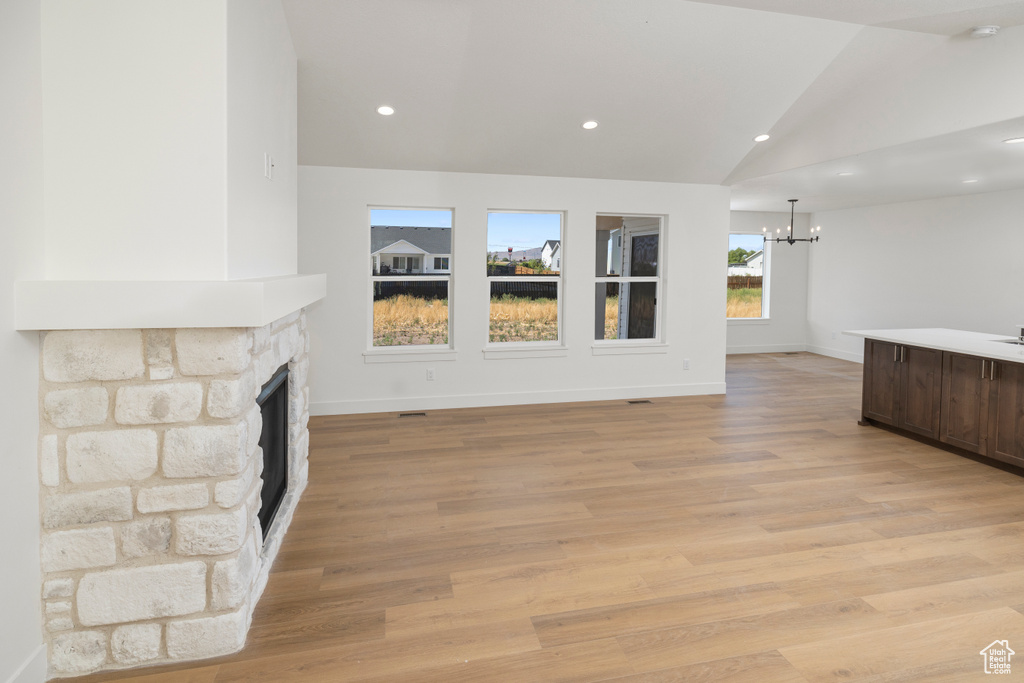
column 437, row 289
column 745, row 281
column 421, row 289
column 525, row 290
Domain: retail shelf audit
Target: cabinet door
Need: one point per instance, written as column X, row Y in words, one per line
column 965, row 387
column 1006, row 413
column 920, row 397
column 881, row 382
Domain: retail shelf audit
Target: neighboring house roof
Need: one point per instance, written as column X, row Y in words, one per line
column 550, row 244
column 753, row 256
column 430, row 240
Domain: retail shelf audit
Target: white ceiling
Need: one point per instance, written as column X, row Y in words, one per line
column 894, row 91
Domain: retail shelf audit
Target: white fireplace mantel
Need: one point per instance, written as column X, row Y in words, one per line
column 97, row 305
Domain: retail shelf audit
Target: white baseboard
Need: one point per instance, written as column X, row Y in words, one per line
column 837, row 353
column 387, row 405
column 33, row 670
column 765, row 348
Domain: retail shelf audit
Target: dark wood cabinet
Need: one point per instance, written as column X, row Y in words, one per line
column 973, row 403
column 1006, row 412
column 965, row 390
column 902, row 386
column 881, row 382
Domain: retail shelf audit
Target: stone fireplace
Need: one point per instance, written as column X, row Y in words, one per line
column 150, row 466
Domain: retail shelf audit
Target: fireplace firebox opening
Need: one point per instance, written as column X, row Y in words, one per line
column 273, row 403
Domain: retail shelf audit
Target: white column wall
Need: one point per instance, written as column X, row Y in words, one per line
column 334, row 238
column 261, row 119
column 22, row 658
column 950, row 262
column 786, row 327
column 156, row 119
column 134, row 139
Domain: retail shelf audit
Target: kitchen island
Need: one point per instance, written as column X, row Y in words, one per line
column 963, row 389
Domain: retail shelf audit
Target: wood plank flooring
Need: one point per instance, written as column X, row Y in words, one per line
column 760, row 536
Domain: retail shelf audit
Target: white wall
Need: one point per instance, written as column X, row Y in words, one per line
column 951, row 262
column 334, row 238
column 786, row 327
column 134, row 139
column 156, row 118
column 261, row 118
column 22, row 658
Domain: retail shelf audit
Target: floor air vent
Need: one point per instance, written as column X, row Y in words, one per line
column 412, row 415
column 633, row 403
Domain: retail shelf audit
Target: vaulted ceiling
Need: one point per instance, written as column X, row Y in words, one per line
column 897, row 96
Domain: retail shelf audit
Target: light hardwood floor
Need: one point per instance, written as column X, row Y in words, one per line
column 758, row 536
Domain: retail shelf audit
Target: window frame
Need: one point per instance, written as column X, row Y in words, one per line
column 524, row 349
column 658, row 342
column 440, row 351
column 765, row 283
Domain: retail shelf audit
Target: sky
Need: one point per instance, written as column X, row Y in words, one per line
column 422, row 218
column 748, row 242
column 521, row 230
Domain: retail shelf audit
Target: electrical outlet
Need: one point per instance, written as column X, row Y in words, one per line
column 431, row 376
column 686, row 364
column 833, row 335
column 268, row 166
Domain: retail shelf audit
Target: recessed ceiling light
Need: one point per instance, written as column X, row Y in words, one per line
column 1013, row 141
column 762, row 137
column 971, row 180
column 385, row 110
column 589, row 125
column 845, row 173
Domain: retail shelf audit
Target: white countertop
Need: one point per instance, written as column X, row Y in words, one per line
column 957, row 341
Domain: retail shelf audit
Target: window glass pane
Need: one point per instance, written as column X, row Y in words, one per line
column 407, row 312
column 609, row 247
column 746, row 277
column 524, row 311
column 524, row 244
column 643, row 255
column 406, row 241
column 626, row 247
column 625, row 310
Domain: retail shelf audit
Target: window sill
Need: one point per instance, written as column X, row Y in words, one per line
column 408, row 355
column 517, row 351
column 634, row 348
column 747, row 321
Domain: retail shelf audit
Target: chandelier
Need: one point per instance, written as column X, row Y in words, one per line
column 788, row 238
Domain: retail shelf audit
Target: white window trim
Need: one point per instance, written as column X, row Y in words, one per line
column 766, row 287
column 385, row 354
column 603, row 347
column 530, row 349
column 409, row 354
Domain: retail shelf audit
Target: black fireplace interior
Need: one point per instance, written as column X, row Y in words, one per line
column 273, row 402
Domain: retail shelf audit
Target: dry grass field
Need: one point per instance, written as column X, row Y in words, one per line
column 743, row 303
column 405, row 320
column 515, row 319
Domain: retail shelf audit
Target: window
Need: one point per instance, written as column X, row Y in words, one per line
column 628, row 277
column 524, row 274
column 410, row 300
column 747, row 295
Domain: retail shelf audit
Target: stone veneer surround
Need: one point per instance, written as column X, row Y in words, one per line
column 150, row 488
